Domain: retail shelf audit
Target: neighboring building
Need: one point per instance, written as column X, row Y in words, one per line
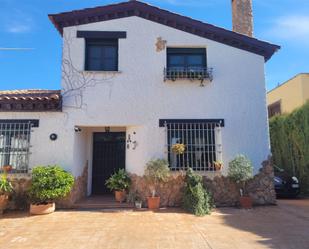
column 289, row 95
column 137, row 79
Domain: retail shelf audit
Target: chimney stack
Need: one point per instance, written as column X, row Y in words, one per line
column 242, row 17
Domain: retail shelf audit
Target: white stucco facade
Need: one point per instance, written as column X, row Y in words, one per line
column 136, row 97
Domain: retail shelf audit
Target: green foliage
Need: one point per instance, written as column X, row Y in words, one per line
column 5, row 185
column 157, row 171
column 196, row 198
column 50, row 183
column 118, row 181
column 289, row 135
column 240, row 169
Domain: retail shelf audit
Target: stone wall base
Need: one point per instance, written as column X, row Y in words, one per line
column 78, row 192
column 170, row 192
column 225, row 192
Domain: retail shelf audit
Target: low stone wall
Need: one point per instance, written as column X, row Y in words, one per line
column 261, row 188
column 78, row 192
column 225, row 192
column 170, row 192
column 19, row 199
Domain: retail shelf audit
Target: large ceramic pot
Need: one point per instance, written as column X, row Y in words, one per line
column 42, row 208
column 3, row 202
column 153, row 202
column 120, row 195
column 245, row 202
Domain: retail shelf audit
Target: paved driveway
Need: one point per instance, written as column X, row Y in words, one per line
column 282, row 226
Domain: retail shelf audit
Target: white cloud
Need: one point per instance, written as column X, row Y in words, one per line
column 18, row 28
column 292, row 28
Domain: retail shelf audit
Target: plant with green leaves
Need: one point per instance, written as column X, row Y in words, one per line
column 240, row 170
column 157, row 171
column 6, row 186
column 197, row 199
column 289, row 136
column 119, row 181
column 49, row 183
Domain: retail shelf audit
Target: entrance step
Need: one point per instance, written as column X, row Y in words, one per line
column 101, row 202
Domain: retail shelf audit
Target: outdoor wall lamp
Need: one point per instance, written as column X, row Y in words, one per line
column 77, row 129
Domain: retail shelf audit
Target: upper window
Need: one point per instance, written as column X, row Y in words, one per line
column 274, row 109
column 187, row 63
column 101, row 55
column 186, row 58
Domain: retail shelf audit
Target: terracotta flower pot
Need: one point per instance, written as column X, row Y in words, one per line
column 42, row 208
column 3, row 202
column 153, row 202
column 245, row 202
column 120, row 195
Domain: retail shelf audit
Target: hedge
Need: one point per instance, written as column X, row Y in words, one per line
column 289, row 135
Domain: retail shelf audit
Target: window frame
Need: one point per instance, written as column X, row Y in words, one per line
column 186, row 52
column 101, row 42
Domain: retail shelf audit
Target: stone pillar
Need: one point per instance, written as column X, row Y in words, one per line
column 242, row 17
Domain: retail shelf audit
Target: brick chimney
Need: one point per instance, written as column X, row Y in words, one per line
column 242, row 17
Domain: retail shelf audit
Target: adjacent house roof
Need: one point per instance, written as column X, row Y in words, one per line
column 30, row 100
column 152, row 13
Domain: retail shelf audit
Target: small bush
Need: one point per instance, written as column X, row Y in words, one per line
column 157, row 171
column 49, row 183
column 118, row 181
column 196, row 199
column 240, row 170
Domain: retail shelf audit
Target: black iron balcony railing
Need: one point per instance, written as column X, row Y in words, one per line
column 192, row 73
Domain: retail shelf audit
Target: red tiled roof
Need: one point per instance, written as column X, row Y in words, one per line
column 30, row 100
column 164, row 17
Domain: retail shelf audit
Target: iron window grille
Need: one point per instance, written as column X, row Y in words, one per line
column 187, row 63
column 202, row 142
column 15, row 145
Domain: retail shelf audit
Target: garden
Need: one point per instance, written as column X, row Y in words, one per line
column 52, row 183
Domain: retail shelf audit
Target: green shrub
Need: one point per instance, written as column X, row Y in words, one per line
column 289, row 136
column 118, row 181
column 240, row 170
column 49, row 183
column 197, row 199
column 157, row 171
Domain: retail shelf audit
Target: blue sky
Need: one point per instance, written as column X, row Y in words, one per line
column 24, row 23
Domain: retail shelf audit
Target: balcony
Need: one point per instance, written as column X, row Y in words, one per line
column 198, row 73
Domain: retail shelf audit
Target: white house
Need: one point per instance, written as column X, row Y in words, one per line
column 135, row 80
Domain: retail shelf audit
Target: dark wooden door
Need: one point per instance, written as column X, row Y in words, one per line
column 108, row 157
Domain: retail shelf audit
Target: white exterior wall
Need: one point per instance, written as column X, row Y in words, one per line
column 136, row 97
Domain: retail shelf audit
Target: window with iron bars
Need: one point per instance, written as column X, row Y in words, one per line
column 15, row 145
column 202, row 141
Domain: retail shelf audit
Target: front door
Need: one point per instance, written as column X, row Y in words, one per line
column 108, row 157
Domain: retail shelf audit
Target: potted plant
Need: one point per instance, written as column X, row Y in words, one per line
column 119, row 182
column 218, row 165
column 157, row 171
column 49, row 183
column 5, row 188
column 178, row 148
column 241, row 170
column 135, row 198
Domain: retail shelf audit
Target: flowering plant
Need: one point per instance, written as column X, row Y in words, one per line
column 178, row 148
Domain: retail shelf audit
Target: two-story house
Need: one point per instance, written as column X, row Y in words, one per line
column 137, row 79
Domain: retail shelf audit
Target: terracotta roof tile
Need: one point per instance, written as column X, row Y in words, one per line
column 30, row 100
